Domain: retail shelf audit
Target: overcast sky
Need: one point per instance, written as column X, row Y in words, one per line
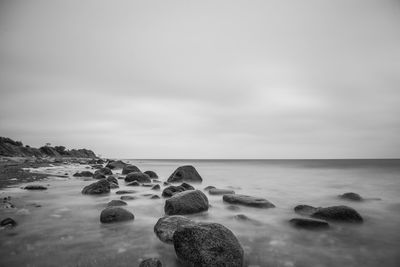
column 203, row 79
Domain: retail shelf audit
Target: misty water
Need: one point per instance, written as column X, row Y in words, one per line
column 66, row 231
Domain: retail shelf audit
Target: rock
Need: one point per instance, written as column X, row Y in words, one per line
column 115, row 214
column 209, row 187
column 124, row 192
column 115, row 203
column 338, row 213
column 167, row 225
column 8, row 222
column 147, row 185
column 116, row 164
column 83, row 174
column 112, row 179
column 185, row 173
column 248, row 201
column 100, row 187
column 98, row 176
column 156, row 181
column 215, row 191
column 151, row 174
column 35, row 187
column 187, row 202
column 104, row 171
column 113, row 186
column 351, row 196
column 309, row 224
column 130, row 168
column 97, row 166
column 127, row 198
column 134, row 183
column 233, row 208
column 172, row 190
column 166, row 183
column 305, row 210
column 207, row 244
column 154, row 197
column 152, row 262
column 138, row 176
column 156, row 187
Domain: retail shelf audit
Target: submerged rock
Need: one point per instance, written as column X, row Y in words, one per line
column 207, row 244
column 305, row 210
column 138, row 176
column 338, row 213
column 172, row 189
column 115, row 214
column 115, row 203
column 185, row 173
column 156, row 187
column 309, row 224
column 8, row 222
column 100, row 187
column 116, row 164
column 151, row 174
column 187, row 202
column 35, row 187
column 127, row 198
column 248, row 201
column 83, row 174
column 130, row 168
column 215, row 191
column 209, row 187
column 167, row 225
column 124, row 192
column 351, row 196
column 152, row 262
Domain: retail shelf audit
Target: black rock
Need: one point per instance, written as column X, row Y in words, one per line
column 166, row 183
column 156, row 187
column 100, row 187
column 248, row 201
column 116, row 164
column 115, row 214
column 167, row 225
column 83, row 174
column 104, row 171
column 130, row 168
column 185, row 173
column 309, row 224
column 191, row 201
column 338, row 213
column 9, row 222
column 138, row 176
column 215, row 191
column 115, row 203
column 152, row 262
column 351, row 196
column 151, row 174
column 207, row 244
column 35, row 187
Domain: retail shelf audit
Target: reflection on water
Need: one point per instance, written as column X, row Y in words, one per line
column 61, row 226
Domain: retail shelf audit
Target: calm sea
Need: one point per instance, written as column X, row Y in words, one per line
column 65, row 230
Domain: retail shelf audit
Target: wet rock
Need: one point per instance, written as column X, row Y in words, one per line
column 209, row 187
column 166, row 183
column 207, row 244
column 116, row 164
column 35, row 187
column 115, row 214
column 248, row 201
column 155, row 197
column 167, row 225
column 98, row 176
column 124, row 192
column 138, row 176
column 172, row 189
column 185, row 173
column 151, row 174
column 130, row 168
column 113, row 185
column 112, row 179
column 147, row 185
column 156, row 181
column 83, row 174
column 309, row 224
column 338, row 213
column 104, row 171
column 97, row 166
column 116, row 203
column 127, row 198
column 215, row 191
column 156, row 187
column 305, row 210
column 8, row 222
column 191, row 201
column 351, row 196
column 134, row 183
column 152, row 262
column 100, row 187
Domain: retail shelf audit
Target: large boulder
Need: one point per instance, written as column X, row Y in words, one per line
column 338, row 213
column 130, row 168
column 191, row 201
column 309, row 224
column 207, row 244
column 351, row 196
column 151, row 174
column 172, row 189
column 185, row 173
column 167, row 225
column 137, row 176
column 116, row 164
column 248, row 201
column 115, row 214
column 100, row 187
column 216, row 191
column 151, row 262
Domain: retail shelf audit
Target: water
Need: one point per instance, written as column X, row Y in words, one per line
column 66, row 229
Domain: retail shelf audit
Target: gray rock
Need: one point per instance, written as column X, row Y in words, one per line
column 83, row 174
column 100, row 187
column 116, row 203
column 99, row 176
column 191, row 201
column 115, row 214
column 8, row 222
column 112, row 179
column 134, row 183
column 35, row 187
column 338, row 213
column 209, row 187
column 104, row 171
column 128, row 198
column 309, row 224
column 151, row 174
column 215, row 191
column 156, row 187
column 305, row 210
column 130, row 168
column 248, row 201
column 167, row 225
column 138, row 176
column 172, row 189
column 185, row 173
column 116, row 164
column 207, row 244
column 152, row 262
column 154, row 197
column 124, row 192
column 351, row 196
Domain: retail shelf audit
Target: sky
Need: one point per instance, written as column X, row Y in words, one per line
column 203, row 79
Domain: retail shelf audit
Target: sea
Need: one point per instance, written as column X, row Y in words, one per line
column 61, row 227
